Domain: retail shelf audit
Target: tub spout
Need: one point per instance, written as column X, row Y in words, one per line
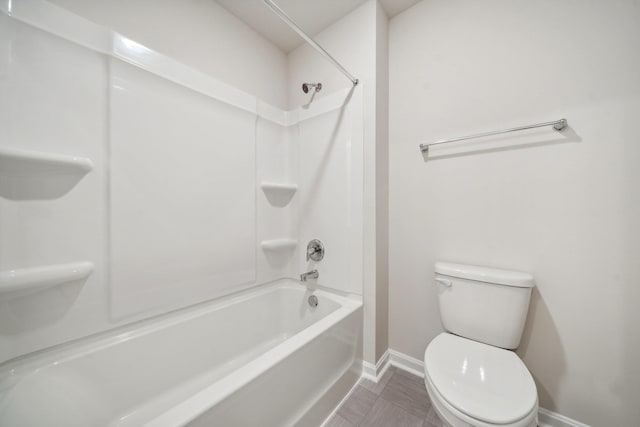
column 313, row 274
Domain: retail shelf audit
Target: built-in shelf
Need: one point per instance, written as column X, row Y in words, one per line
column 281, row 187
column 25, row 281
column 278, row 245
column 36, row 175
column 21, row 163
column 278, row 194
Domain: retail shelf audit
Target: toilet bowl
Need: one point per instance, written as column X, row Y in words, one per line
column 475, row 384
column 471, row 375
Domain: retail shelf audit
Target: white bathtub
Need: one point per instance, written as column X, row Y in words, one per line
column 260, row 358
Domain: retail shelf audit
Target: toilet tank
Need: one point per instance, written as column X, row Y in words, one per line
column 483, row 304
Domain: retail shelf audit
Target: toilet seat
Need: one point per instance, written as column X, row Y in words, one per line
column 485, row 384
column 451, row 417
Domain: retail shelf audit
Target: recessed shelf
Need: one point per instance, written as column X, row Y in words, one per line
column 23, row 163
column 278, row 245
column 20, row 282
column 278, row 194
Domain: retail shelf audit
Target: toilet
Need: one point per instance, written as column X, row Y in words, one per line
column 472, row 376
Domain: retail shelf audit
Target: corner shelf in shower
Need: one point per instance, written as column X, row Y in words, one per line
column 278, row 194
column 20, row 282
column 278, row 245
column 28, row 163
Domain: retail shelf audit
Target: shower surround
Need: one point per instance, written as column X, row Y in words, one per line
column 148, row 188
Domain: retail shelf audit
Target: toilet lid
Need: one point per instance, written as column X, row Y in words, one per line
column 484, row 382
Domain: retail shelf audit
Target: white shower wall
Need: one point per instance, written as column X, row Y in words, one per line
column 330, row 152
column 181, row 194
column 358, row 41
column 175, row 210
column 52, row 100
column 316, row 148
column 276, row 164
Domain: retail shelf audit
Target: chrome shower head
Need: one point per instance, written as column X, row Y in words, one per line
column 307, row 86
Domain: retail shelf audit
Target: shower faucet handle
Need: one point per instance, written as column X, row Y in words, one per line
column 315, row 250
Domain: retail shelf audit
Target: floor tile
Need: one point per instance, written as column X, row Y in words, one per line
column 357, row 405
column 377, row 388
column 338, row 421
column 386, row 414
column 432, row 419
column 410, row 376
column 408, row 392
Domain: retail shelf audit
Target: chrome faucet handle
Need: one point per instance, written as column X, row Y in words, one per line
column 311, row 252
column 315, row 250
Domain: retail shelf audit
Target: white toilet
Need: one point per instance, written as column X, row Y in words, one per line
column 472, row 376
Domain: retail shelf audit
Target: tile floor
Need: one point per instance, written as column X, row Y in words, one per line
column 399, row 400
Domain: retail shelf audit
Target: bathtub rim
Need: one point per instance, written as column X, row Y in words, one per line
column 186, row 411
column 13, row 369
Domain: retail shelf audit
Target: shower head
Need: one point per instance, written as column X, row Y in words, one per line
column 307, row 86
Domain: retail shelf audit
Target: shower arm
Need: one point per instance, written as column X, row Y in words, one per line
column 291, row 23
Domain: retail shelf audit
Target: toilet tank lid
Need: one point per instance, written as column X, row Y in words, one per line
column 485, row 274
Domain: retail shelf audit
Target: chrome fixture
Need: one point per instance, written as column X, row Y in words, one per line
column 313, row 301
column 558, row 125
column 307, row 86
column 313, row 274
column 295, row 27
column 315, row 250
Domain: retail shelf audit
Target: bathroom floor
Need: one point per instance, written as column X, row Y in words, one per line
column 400, row 399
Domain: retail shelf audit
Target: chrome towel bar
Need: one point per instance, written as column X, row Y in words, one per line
column 557, row 125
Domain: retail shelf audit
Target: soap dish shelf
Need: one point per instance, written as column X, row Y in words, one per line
column 278, row 194
column 276, row 187
column 278, row 245
column 20, row 282
column 28, row 163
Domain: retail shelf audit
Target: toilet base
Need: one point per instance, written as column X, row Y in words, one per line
column 451, row 417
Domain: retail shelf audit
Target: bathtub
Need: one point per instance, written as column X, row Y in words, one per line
column 263, row 357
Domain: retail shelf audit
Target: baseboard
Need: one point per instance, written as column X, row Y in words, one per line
column 374, row 373
column 414, row 366
column 547, row 418
column 369, row 371
column 407, row 363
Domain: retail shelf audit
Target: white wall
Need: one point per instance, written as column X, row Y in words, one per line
column 563, row 207
column 198, row 33
column 353, row 41
column 382, row 182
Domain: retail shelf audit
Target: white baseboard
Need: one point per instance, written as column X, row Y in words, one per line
column 369, row 371
column 547, row 418
column 407, row 363
column 374, row 373
column 416, row 367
